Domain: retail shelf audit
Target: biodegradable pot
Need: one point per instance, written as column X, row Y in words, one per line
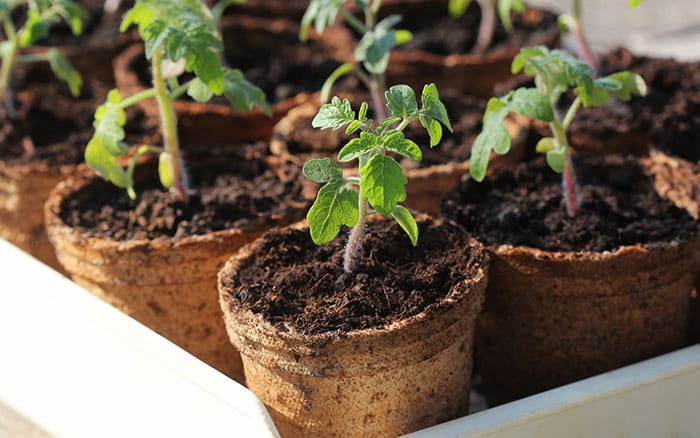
column 473, row 74
column 406, row 375
column 250, row 43
column 553, row 317
column 168, row 283
column 295, row 140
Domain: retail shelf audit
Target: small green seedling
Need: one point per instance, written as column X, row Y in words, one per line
column 555, row 72
column 372, row 51
column 180, row 36
column 381, row 184
column 41, row 16
column 574, row 23
column 487, row 26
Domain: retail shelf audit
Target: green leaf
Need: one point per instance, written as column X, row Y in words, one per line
column 430, row 98
column 339, row 72
column 493, row 137
column 141, row 15
column 109, row 125
column 63, row 70
column 395, row 142
column 320, row 13
column 353, row 127
column 99, row 159
column 432, row 126
column 504, row 9
column 401, row 100
column 556, row 158
column 383, row 183
column 35, row 28
column 634, row 3
column 323, row 170
column 386, row 123
column 335, row 205
column 243, row 95
column 358, row 147
column 457, row 8
column 407, row 222
column 199, row 91
column 630, row 84
column 402, row 36
column 545, row 145
column 531, row 102
column 334, row 115
column 165, row 170
column 362, row 114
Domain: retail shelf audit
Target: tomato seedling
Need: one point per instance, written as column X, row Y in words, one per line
column 180, row 37
column 487, row 25
column 556, row 72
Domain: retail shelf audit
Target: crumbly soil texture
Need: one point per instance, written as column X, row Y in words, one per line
column 440, row 34
column 233, row 187
column 523, row 206
column 52, row 126
column 301, row 287
column 466, row 115
column 672, row 106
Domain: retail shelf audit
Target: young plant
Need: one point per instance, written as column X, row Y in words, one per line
column 381, row 184
column 487, row 26
column 41, row 16
column 180, row 36
column 574, row 23
column 555, row 72
column 372, row 51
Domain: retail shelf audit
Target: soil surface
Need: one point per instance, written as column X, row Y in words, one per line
column 672, row 107
column 524, row 206
column 440, row 34
column 466, row 115
column 299, row 286
column 232, row 188
column 52, row 126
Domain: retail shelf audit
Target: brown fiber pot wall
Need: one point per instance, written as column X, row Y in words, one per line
column 552, row 318
column 426, row 186
column 475, row 75
column 376, row 382
column 24, row 189
column 168, row 285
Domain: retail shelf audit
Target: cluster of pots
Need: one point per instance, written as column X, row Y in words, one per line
column 534, row 317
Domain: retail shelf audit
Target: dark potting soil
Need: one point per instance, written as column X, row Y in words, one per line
column 672, row 106
column 443, row 35
column 299, row 286
column 466, row 115
column 54, row 127
column 232, row 188
column 524, row 206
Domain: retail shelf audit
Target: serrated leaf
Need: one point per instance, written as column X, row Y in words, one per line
column 383, row 183
column 99, row 159
column 457, row 8
column 109, row 125
column 334, row 115
column 556, row 159
column 407, row 222
column 401, row 100
column 433, row 127
column 396, row 142
column 493, row 137
column 64, row 71
column 165, row 170
column 358, row 147
column 531, row 102
column 323, row 170
column 243, row 95
column 320, row 13
column 545, row 145
column 430, row 98
column 336, row 205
